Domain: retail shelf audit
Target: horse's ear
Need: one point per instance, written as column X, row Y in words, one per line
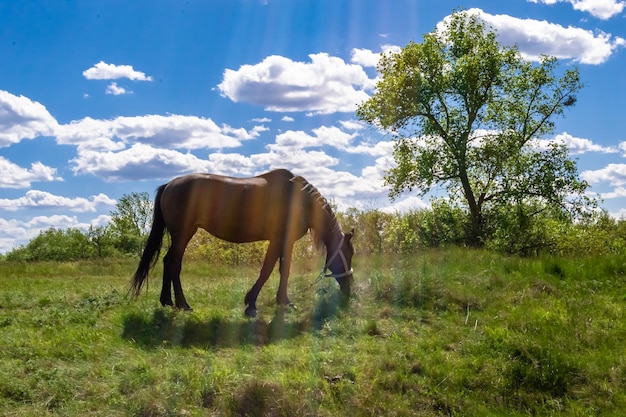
column 350, row 234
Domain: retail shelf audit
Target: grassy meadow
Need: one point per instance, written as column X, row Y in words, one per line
column 452, row 332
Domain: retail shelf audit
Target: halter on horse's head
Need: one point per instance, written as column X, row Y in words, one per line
column 339, row 263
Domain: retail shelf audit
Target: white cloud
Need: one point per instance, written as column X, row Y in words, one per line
column 602, row 9
column 352, row 125
column 576, row 146
column 296, row 159
column 618, row 192
column 296, row 139
column 262, row 119
column 622, row 147
column 374, row 174
column 324, row 85
column 537, row 37
column 139, row 162
column 101, row 220
column 332, row 136
column 406, row 205
column 148, row 147
column 43, row 199
column 8, row 243
column 322, row 136
column 364, row 57
column 299, row 160
column 381, row 148
column 171, row 131
column 15, row 232
column 58, row 221
column 619, row 215
column 242, row 134
column 287, row 119
column 116, row 90
column 368, row 58
column 14, row 176
column 104, row 71
column 22, row 118
column 233, row 164
column 579, row 146
column 614, row 174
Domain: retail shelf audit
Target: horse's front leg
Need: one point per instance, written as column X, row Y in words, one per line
column 285, row 265
column 271, row 256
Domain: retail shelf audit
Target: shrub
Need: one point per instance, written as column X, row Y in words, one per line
column 54, row 245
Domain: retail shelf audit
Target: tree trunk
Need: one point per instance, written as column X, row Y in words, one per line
column 476, row 237
column 477, row 232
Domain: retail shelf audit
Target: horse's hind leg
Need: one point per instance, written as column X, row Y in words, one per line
column 172, row 265
column 166, row 287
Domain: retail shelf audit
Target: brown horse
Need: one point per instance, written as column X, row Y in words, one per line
column 276, row 206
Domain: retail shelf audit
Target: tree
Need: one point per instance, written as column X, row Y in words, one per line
column 102, row 240
column 130, row 221
column 467, row 113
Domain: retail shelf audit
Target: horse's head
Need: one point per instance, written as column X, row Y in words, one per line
column 340, row 263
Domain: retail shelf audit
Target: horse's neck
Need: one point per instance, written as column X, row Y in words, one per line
column 322, row 220
column 332, row 239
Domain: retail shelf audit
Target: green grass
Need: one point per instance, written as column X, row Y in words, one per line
column 453, row 333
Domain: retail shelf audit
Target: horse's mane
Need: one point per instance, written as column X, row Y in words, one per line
column 317, row 209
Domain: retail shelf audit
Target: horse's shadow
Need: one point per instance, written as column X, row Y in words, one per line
column 167, row 327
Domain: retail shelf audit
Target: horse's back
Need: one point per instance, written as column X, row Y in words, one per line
column 273, row 178
column 233, row 209
column 277, row 175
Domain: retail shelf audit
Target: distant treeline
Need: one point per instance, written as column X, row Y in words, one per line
column 519, row 230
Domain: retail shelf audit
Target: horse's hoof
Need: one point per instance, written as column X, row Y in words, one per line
column 185, row 308
column 287, row 307
column 251, row 312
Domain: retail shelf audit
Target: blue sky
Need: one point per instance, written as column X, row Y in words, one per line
column 99, row 99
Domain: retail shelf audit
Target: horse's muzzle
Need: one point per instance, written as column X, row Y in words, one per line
column 345, row 285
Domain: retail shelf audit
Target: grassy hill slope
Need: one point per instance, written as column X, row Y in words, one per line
column 453, row 332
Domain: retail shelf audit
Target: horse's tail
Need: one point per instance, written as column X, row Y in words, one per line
column 153, row 246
